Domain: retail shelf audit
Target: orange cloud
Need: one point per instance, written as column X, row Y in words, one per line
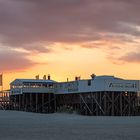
column 11, row 60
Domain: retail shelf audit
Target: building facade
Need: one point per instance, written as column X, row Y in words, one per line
column 100, row 95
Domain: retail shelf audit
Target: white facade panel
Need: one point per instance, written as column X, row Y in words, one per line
column 96, row 85
column 66, row 87
column 37, row 90
column 17, row 91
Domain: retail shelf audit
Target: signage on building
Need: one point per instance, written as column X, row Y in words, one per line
column 122, row 85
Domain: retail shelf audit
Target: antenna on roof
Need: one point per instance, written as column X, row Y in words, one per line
column 67, row 79
column 93, row 76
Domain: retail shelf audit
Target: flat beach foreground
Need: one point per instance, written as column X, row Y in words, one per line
column 16, row 125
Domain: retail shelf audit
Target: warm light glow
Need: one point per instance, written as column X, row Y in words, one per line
column 69, row 38
column 68, row 62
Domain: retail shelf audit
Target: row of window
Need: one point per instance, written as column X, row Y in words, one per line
column 33, row 86
column 60, row 85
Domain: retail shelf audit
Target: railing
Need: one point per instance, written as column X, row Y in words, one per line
column 4, row 100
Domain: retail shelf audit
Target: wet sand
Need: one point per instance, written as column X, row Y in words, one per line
column 15, row 125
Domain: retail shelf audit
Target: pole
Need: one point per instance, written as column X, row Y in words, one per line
column 1, row 82
column 2, row 88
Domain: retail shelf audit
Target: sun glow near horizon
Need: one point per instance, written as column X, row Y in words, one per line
column 72, row 60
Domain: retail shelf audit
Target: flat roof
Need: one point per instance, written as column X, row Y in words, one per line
column 34, row 81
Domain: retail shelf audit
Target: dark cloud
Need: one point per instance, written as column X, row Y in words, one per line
column 14, row 61
column 29, row 24
column 25, row 22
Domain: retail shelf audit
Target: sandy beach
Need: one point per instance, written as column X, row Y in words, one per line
column 16, row 125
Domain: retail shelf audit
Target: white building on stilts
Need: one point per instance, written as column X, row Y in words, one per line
column 100, row 95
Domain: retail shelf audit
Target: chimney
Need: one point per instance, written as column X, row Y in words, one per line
column 37, row 77
column 76, row 78
column 44, row 77
column 49, row 77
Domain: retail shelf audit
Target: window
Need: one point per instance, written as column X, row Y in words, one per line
column 89, row 82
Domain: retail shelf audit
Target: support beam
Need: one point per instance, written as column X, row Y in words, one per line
column 43, row 106
column 105, row 110
column 19, row 101
column 129, row 104
column 36, row 102
column 120, row 102
column 55, row 107
column 82, row 99
column 31, row 102
column 112, row 111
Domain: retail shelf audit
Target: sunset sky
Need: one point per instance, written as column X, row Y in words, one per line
column 68, row 38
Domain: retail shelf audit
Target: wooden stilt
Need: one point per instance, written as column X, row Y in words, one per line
column 31, row 102
column 120, row 104
column 55, row 108
column 43, row 107
column 112, row 111
column 36, row 102
column 19, row 102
